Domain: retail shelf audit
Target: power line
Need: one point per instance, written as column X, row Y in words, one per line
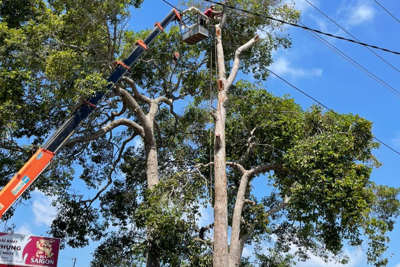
column 337, row 24
column 352, row 61
column 309, row 29
column 317, row 31
column 320, row 103
column 356, row 64
column 387, row 11
column 180, row 11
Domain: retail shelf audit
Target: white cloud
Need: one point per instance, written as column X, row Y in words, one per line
column 322, row 23
column 205, row 217
column 357, row 13
column 138, row 142
column 283, row 66
column 355, row 259
column 362, row 14
column 396, row 142
column 398, row 265
column 42, row 209
column 247, row 252
column 24, row 229
column 303, row 6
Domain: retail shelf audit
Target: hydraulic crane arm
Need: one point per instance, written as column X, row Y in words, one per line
column 42, row 158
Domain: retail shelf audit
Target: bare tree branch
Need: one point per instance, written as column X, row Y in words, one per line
column 238, row 239
column 235, row 67
column 264, row 168
column 131, row 102
column 237, row 166
column 250, row 147
column 109, row 55
column 169, row 102
column 224, row 9
column 201, row 165
column 248, row 201
column 135, row 91
column 109, row 177
column 278, row 207
column 117, row 114
column 112, row 125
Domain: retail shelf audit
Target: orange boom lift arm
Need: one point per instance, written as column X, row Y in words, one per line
column 42, row 158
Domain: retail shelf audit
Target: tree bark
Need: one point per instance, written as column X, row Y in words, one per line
column 153, row 257
column 220, row 255
column 220, row 258
column 151, row 148
column 235, row 249
column 238, row 239
column 147, row 121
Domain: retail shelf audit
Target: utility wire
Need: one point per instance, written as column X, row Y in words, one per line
column 387, row 11
column 320, row 103
column 352, row 61
column 372, row 51
column 313, row 30
column 180, row 11
column 356, row 64
column 308, row 29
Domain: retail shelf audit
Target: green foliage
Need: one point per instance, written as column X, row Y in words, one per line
column 188, row 76
column 240, row 27
column 326, row 165
column 324, row 161
column 81, row 226
column 17, row 12
column 275, row 258
column 53, row 54
column 172, row 223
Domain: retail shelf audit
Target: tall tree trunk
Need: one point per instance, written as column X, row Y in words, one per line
column 153, row 256
column 147, row 121
column 221, row 194
column 152, row 163
column 220, row 255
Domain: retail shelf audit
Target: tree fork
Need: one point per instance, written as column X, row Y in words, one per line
column 221, row 255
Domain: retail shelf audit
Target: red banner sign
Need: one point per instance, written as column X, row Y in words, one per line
column 25, row 250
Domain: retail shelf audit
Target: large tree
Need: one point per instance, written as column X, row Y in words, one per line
column 319, row 165
column 56, row 58
column 146, row 165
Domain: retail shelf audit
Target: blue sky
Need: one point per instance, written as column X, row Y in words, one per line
column 320, row 72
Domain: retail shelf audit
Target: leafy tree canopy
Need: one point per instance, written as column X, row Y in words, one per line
column 316, row 163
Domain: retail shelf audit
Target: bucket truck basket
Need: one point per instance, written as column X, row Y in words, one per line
column 194, row 28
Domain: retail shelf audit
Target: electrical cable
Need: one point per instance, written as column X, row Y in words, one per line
column 356, row 64
column 308, row 29
column 180, row 11
column 343, row 29
column 321, row 104
column 317, row 31
column 387, row 11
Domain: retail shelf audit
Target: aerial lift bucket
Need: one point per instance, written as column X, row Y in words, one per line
column 196, row 32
